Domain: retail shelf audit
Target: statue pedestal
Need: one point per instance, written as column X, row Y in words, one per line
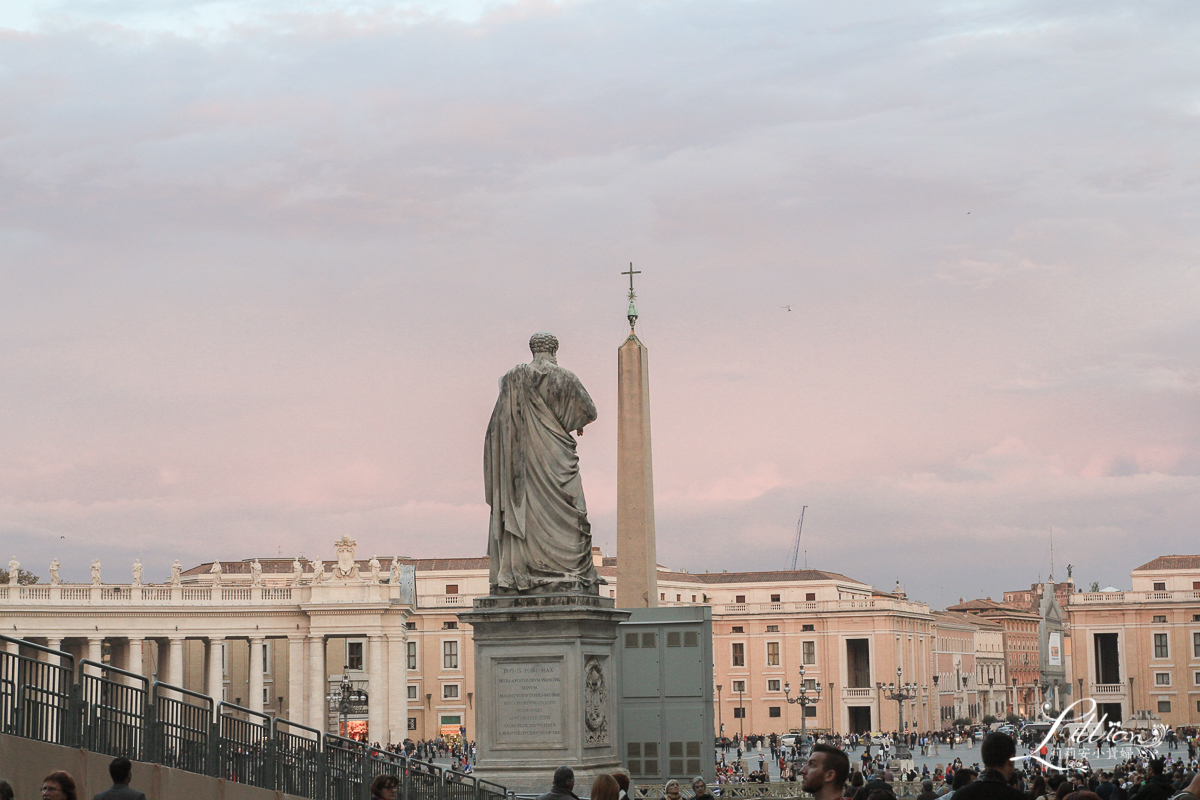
column 546, row 688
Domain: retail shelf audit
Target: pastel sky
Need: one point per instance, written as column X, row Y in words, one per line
column 262, row 263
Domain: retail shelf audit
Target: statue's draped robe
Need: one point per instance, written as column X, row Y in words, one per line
column 539, row 536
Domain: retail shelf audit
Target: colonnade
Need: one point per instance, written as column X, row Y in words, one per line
column 308, row 675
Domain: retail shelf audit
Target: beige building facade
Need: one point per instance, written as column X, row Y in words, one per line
column 1137, row 652
column 281, row 637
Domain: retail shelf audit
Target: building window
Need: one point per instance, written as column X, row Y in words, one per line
column 773, row 711
column 1160, row 646
column 412, row 691
column 1160, row 618
column 808, row 653
column 354, row 655
column 738, row 629
column 412, row 655
column 450, row 625
column 1159, row 587
column 412, row 723
column 452, row 588
column 693, row 598
column 1162, row 679
column 739, row 654
column 266, row 650
column 1196, row 678
column 1164, row 706
column 662, row 595
column 739, row 686
column 774, row 598
column 740, row 598
column 772, row 629
column 773, row 684
column 1196, row 645
column 739, row 713
column 772, row 654
column 810, row 711
column 810, row 597
column 450, row 691
column 808, row 627
column 449, row 655
column 410, row 626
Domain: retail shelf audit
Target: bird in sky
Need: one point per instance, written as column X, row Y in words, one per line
column 789, row 308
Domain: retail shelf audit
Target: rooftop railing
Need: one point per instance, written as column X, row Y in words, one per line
column 45, row 695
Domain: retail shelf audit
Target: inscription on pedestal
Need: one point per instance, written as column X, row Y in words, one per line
column 529, row 706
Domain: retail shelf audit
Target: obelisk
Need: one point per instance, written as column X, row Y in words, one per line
column 637, row 575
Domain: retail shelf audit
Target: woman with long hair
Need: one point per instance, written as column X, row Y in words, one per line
column 605, row 787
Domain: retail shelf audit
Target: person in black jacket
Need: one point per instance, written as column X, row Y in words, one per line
column 992, row 784
column 1156, row 786
column 121, row 771
column 564, row 783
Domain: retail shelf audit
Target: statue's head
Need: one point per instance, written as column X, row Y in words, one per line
column 543, row 342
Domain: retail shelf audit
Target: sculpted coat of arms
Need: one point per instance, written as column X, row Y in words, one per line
column 595, row 693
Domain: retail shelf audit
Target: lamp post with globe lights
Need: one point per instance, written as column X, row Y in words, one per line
column 804, row 701
column 347, row 696
column 901, row 692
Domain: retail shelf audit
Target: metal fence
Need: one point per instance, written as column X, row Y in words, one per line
column 45, row 695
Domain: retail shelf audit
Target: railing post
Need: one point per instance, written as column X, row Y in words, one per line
column 215, row 768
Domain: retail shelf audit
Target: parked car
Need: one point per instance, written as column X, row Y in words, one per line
column 789, row 739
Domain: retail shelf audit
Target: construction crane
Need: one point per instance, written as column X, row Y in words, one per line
column 799, row 530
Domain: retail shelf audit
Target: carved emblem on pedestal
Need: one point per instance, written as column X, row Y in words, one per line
column 346, row 568
column 595, row 703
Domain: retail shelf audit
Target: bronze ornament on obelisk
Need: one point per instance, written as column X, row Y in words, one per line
column 637, row 569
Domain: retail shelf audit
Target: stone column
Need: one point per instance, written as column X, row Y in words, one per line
column 377, row 692
column 95, row 652
column 175, row 662
column 133, row 657
column 13, row 647
column 297, row 707
column 216, row 673
column 256, row 674
column 397, row 663
column 317, row 680
column 54, row 643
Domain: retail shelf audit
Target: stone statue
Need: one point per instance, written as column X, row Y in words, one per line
column 215, row 571
column 14, row 571
column 297, row 571
column 137, row 572
column 395, row 570
column 1070, row 567
column 373, row 565
column 176, row 573
column 54, row 572
column 255, row 573
column 318, row 568
column 539, row 539
column 95, row 572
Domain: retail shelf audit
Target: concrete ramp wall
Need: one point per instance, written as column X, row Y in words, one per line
column 25, row 762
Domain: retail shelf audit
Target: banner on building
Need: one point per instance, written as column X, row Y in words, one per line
column 1055, row 649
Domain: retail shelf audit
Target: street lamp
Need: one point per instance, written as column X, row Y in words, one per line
column 346, row 696
column 741, row 688
column 804, row 700
column 720, row 717
column 900, row 692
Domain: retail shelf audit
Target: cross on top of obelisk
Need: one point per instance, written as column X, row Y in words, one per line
column 632, row 313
